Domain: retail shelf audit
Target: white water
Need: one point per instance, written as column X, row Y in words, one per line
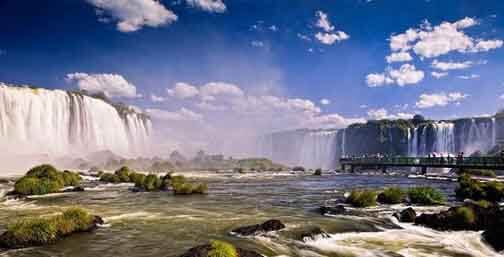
column 319, row 149
column 444, row 141
column 57, row 123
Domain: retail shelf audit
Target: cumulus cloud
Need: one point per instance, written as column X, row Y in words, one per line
column 467, row 77
column 182, row 114
column 183, row 90
column 257, row 43
column 439, row 99
column 132, row 15
column 112, row 85
column 328, row 36
column 399, row 57
column 444, row 66
column 407, row 74
column 382, row 113
column 429, row 42
column 439, row 75
column 324, row 101
column 216, row 6
column 156, row 98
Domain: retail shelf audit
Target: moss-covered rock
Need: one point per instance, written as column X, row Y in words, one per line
column 181, row 186
column 392, row 195
column 41, row 231
column 469, row 188
column 362, row 198
column 217, row 248
column 267, row 226
column 425, row 196
column 45, row 179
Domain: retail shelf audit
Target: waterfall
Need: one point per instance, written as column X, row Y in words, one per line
column 60, row 123
column 444, row 141
column 343, row 143
column 480, row 136
column 413, row 143
column 319, row 149
column 494, row 133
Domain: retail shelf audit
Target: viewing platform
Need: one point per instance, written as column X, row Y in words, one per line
column 487, row 163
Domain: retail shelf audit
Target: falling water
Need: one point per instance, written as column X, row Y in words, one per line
column 319, row 149
column 444, row 141
column 60, row 123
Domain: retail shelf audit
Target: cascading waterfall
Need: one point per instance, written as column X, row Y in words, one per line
column 444, row 141
column 319, row 149
column 413, row 143
column 60, row 123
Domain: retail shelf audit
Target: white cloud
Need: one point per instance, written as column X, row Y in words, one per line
column 112, row 85
column 257, row 43
column 324, row 101
column 429, row 42
column 211, row 90
column 273, row 28
column 382, row 113
column 328, row 36
column 217, row 6
column 407, row 74
column 182, row 114
column 378, row 79
column 467, row 77
column 323, row 22
column 399, row 57
column 439, row 99
column 156, row 98
column 183, row 90
column 331, row 38
column 439, row 75
column 303, row 37
column 444, row 66
column 132, row 15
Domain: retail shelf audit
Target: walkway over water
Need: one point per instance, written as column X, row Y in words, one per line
column 490, row 163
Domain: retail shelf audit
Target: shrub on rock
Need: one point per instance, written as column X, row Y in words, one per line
column 181, row 186
column 392, row 195
column 110, row 178
column 425, row 196
column 124, row 174
column 222, row 249
column 469, row 188
column 318, row 172
column 41, row 231
column 45, row 179
column 362, row 198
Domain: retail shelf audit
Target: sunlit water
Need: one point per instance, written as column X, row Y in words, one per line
column 160, row 224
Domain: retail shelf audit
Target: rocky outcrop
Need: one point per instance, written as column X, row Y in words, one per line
column 268, row 226
column 203, row 250
column 312, row 233
column 406, row 215
column 494, row 236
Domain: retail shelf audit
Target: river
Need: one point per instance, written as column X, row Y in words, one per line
column 160, row 224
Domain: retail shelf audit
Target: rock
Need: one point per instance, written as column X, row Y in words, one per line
column 268, row 226
column 406, row 215
column 202, row 251
column 75, row 189
column 313, row 234
column 494, row 236
column 468, row 217
column 342, row 210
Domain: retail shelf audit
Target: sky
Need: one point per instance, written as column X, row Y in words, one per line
column 214, row 69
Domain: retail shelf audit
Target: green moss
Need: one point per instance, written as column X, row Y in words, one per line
column 123, row 173
column 480, row 173
column 392, row 195
column 425, row 196
column 152, row 183
column 362, row 198
column 465, row 215
column 469, row 188
column 181, row 186
column 40, row 231
column 222, row 249
column 45, row 179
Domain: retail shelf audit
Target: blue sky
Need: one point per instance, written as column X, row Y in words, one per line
column 253, row 62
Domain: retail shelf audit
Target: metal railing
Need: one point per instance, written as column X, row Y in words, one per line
column 489, row 162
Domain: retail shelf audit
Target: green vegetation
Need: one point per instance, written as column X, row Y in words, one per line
column 123, row 173
column 392, row 195
column 259, row 164
column 222, row 249
column 480, row 173
column 41, row 231
column 425, row 196
column 362, row 198
column 45, row 179
column 110, row 178
column 181, row 186
column 465, row 215
column 473, row 189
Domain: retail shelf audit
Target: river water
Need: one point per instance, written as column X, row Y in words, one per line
column 160, row 224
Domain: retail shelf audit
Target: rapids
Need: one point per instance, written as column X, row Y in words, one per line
column 160, row 224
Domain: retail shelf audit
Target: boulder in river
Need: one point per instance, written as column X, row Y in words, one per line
column 474, row 216
column 219, row 249
column 268, row 226
column 313, row 233
column 494, row 236
column 406, row 215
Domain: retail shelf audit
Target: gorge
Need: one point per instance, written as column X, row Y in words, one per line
column 415, row 137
